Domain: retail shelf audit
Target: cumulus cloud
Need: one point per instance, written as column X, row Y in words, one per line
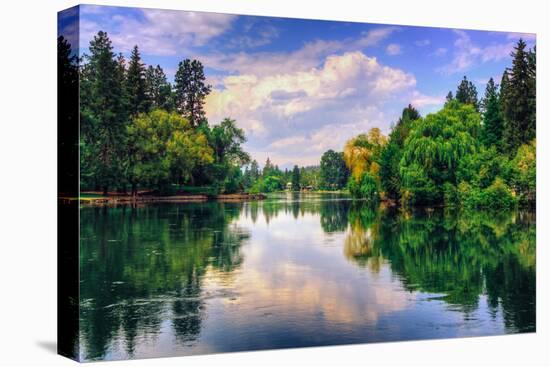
column 467, row 53
column 295, row 116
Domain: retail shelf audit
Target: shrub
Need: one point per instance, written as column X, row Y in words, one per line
column 364, row 188
column 418, row 188
column 497, row 196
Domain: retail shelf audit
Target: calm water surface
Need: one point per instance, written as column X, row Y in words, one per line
column 295, row 271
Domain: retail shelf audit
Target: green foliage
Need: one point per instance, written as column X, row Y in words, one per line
column 496, row 196
column 519, row 98
column 523, row 173
column 226, row 139
column 481, row 168
column 136, row 84
column 493, row 123
column 191, row 90
column 104, row 116
column 296, row 178
column 392, row 152
column 417, row 187
column 433, row 150
column 333, row 171
column 158, row 90
column 467, row 93
column 366, row 188
column 267, row 184
column 310, row 177
column 165, row 149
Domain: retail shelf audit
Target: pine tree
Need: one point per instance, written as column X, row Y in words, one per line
column 449, row 97
column 103, row 116
column 135, row 84
column 467, row 93
column 158, row 90
column 519, row 101
column 492, row 118
column 254, row 170
column 191, row 90
column 268, row 168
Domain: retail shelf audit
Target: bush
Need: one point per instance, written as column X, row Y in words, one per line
column 365, row 188
column 497, row 196
column 418, row 188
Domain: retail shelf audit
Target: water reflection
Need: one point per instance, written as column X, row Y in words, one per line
column 297, row 270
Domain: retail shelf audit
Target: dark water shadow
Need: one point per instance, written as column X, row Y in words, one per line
column 48, row 345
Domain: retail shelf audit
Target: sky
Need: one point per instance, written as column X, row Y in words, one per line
column 300, row 87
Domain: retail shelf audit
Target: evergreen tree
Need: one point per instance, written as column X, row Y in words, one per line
column 467, row 93
column 493, row 124
column 519, row 103
column 254, row 170
column 191, row 90
column 158, row 90
column 296, row 178
column 449, row 97
column 104, row 116
column 135, row 84
column 268, row 167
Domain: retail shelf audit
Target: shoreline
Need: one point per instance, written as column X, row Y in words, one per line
column 150, row 199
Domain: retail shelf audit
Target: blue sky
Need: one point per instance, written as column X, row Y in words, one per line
column 300, row 87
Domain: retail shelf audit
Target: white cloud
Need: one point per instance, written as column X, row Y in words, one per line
column 420, row 100
column 303, row 59
column 466, row 53
column 393, row 49
column 294, row 116
column 158, row 32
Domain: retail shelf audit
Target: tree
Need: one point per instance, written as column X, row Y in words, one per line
column 191, row 90
column 296, row 178
column 493, row 124
column 390, row 156
column 254, row 170
column 334, row 173
column 166, row 149
column 449, row 97
column 467, row 93
column 519, row 104
column 158, row 90
column 268, row 167
column 136, row 85
column 227, row 139
column 362, row 153
column 434, row 149
column 103, row 116
column 523, row 173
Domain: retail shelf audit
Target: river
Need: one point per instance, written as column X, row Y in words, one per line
column 297, row 270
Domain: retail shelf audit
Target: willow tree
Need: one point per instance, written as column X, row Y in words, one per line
column 434, row 149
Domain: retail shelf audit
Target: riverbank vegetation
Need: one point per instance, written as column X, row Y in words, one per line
column 139, row 132
column 472, row 153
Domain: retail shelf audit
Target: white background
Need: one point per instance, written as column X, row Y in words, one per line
column 28, row 181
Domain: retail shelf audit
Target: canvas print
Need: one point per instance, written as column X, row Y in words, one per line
column 239, row 183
